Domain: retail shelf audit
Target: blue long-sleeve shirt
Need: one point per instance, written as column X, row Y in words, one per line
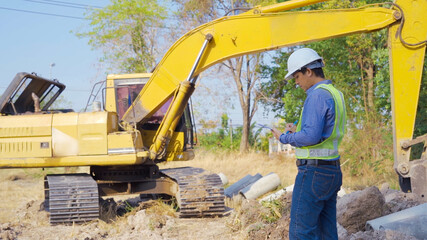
column 318, row 118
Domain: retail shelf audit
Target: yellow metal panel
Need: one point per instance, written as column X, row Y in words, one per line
column 65, row 135
column 94, row 160
column 244, row 34
column 406, row 66
column 26, row 125
column 26, row 135
column 25, row 147
column 110, row 95
column 119, row 143
column 92, row 133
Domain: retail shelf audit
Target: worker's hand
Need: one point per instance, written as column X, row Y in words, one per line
column 290, row 128
column 276, row 133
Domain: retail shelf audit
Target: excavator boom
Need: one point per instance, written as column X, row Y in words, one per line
column 235, row 36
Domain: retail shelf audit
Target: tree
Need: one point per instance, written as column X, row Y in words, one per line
column 358, row 65
column 243, row 70
column 280, row 96
column 126, row 32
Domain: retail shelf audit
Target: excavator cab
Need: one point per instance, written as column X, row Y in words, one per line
column 122, row 90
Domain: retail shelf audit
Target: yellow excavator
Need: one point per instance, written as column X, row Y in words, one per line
column 145, row 118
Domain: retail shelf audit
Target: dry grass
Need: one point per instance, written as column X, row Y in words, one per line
column 17, row 185
column 368, row 156
column 367, row 174
column 370, row 178
column 235, row 166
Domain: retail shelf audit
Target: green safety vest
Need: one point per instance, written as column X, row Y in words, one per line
column 328, row 149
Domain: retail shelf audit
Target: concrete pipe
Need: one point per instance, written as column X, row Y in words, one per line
column 262, row 186
column 242, row 183
column 224, row 179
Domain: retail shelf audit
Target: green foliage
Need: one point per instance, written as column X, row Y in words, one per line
column 421, row 119
column 61, row 103
column 357, row 64
column 275, row 209
column 216, row 140
column 223, row 138
column 369, row 149
column 128, row 207
column 229, row 138
column 124, row 30
column 263, row 143
column 284, row 98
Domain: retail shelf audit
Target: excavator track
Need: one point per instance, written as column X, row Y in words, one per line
column 200, row 192
column 71, row 198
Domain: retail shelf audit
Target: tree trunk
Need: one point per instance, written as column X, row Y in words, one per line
column 245, row 83
column 362, row 76
column 244, row 142
column 370, row 78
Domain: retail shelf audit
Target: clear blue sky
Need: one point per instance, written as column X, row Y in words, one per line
column 31, row 42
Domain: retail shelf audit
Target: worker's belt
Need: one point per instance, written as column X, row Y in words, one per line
column 317, row 162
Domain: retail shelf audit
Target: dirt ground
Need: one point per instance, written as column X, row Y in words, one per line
column 22, row 217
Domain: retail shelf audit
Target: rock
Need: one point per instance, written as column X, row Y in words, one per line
column 7, row 231
column 393, row 235
column 384, row 188
column 342, row 233
column 108, row 209
column 138, row 222
column 341, row 192
column 396, row 201
column 354, row 209
column 380, row 235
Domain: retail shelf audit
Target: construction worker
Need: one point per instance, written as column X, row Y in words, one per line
column 317, row 137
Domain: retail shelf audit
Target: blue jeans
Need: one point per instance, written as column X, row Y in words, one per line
column 314, row 202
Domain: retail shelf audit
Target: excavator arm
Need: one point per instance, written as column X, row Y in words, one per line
column 407, row 48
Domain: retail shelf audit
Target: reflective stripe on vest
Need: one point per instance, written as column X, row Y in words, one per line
column 328, row 149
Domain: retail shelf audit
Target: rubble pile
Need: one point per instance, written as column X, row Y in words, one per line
column 8, row 231
column 353, row 211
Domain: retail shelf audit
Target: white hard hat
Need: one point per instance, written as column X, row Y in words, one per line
column 304, row 57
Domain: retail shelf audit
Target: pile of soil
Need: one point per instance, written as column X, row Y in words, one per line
column 147, row 220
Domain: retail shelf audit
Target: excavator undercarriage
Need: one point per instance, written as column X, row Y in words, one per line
column 75, row 197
